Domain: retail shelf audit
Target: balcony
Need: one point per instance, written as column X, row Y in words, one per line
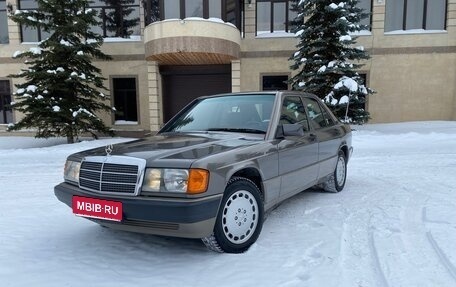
column 192, row 41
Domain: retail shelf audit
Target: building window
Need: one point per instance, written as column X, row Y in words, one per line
column 116, row 20
column 273, row 16
column 31, row 34
column 194, row 8
column 4, row 39
column 366, row 5
column 6, row 115
column 125, row 100
column 215, row 8
column 415, row 15
column 171, row 9
column 361, row 102
column 274, row 83
column 228, row 10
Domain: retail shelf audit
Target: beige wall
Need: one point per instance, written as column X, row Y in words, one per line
column 413, row 87
column 253, row 68
column 414, row 74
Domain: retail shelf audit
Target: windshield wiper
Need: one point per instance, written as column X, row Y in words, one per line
column 237, row 130
column 185, row 132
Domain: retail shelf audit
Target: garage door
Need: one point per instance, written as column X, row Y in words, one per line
column 182, row 84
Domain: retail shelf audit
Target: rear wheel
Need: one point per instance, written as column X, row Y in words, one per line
column 240, row 218
column 336, row 181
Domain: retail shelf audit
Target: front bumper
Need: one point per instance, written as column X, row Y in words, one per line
column 180, row 217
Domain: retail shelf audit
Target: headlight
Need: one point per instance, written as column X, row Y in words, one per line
column 190, row 181
column 175, row 180
column 152, row 179
column 71, row 172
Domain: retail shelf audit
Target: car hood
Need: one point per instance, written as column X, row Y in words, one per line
column 177, row 149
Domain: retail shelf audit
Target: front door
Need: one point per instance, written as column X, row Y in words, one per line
column 298, row 155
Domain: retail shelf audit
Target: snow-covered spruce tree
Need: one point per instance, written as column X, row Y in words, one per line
column 61, row 90
column 327, row 58
column 117, row 20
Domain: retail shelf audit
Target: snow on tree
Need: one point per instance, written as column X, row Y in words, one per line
column 117, row 18
column 327, row 58
column 60, row 92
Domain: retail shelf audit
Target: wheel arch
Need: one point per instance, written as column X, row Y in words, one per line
column 251, row 173
column 344, row 148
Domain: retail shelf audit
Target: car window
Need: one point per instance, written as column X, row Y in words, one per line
column 223, row 113
column 293, row 112
column 317, row 115
column 329, row 120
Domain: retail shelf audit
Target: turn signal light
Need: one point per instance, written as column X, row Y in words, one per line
column 198, row 180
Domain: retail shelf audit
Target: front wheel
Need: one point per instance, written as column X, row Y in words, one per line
column 240, row 218
column 336, row 181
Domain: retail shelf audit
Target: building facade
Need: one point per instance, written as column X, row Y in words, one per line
column 182, row 49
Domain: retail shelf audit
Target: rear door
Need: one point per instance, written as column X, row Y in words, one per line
column 298, row 155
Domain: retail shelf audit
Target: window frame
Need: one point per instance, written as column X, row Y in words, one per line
column 6, row 22
column 21, row 28
column 113, row 102
column 206, row 11
column 103, row 13
column 262, row 75
column 365, row 75
column 370, row 17
column 271, row 15
column 3, row 113
column 424, row 15
column 101, row 17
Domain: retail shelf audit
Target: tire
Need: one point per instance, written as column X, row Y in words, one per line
column 336, row 181
column 240, row 218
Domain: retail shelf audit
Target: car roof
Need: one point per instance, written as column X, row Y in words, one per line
column 251, row 93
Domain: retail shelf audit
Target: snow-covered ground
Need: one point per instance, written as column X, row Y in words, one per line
column 393, row 225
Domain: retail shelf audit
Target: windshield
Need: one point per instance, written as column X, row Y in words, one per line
column 246, row 113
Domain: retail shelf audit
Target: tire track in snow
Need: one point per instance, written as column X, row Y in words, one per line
column 441, row 254
column 360, row 243
column 423, row 251
column 443, row 258
column 376, row 260
column 425, row 218
column 392, row 254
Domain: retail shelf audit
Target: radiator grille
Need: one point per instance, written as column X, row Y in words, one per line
column 113, row 174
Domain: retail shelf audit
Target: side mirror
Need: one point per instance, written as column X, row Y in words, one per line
column 292, row 130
